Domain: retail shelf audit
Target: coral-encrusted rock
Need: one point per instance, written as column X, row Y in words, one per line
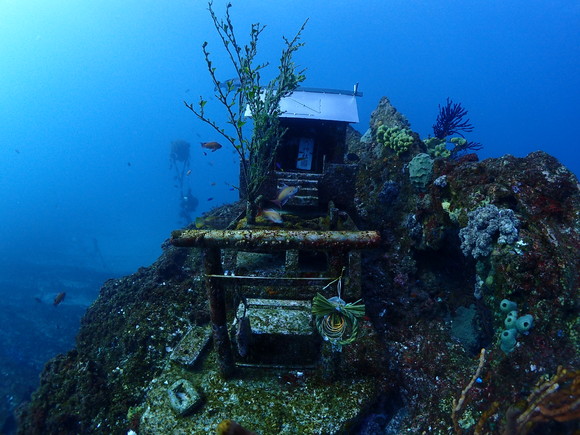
column 422, row 277
column 386, row 114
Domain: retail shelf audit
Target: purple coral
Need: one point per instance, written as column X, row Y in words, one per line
column 450, row 120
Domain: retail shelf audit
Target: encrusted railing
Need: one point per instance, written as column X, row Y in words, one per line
column 336, row 244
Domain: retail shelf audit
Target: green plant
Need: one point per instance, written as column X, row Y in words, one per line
column 246, row 91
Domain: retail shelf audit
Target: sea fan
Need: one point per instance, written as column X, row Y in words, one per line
column 450, row 120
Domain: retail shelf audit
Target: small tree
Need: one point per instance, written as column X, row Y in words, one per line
column 257, row 152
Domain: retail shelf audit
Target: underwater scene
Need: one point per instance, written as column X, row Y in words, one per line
column 289, row 217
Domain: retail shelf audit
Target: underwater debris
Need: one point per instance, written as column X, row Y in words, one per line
column 192, row 346
column 335, row 319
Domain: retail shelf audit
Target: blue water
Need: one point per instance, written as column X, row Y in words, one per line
column 91, row 95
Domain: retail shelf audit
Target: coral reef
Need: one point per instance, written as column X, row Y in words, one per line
column 437, row 147
column 397, row 139
column 421, row 170
column 450, row 120
column 430, row 308
column 487, row 225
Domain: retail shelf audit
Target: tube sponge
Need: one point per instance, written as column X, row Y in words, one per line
column 524, row 323
column 514, row 325
column 508, row 340
column 511, row 320
column 506, row 305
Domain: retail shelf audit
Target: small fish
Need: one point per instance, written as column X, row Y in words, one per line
column 285, row 194
column 128, row 163
column 59, row 298
column 213, row 183
column 199, row 222
column 210, row 198
column 188, row 172
column 230, row 427
column 213, row 146
column 272, row 215
column 17, row 151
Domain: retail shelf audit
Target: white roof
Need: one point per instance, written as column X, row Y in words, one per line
column 323, row 104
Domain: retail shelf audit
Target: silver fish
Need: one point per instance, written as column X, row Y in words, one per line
column 285, row 194
column 271, row 215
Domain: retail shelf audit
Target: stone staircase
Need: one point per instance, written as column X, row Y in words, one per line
column 307, row 196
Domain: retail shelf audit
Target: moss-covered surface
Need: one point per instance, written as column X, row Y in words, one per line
column 265, row 401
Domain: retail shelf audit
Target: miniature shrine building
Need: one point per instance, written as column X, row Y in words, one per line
column 316, row 121
column 313, row 149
